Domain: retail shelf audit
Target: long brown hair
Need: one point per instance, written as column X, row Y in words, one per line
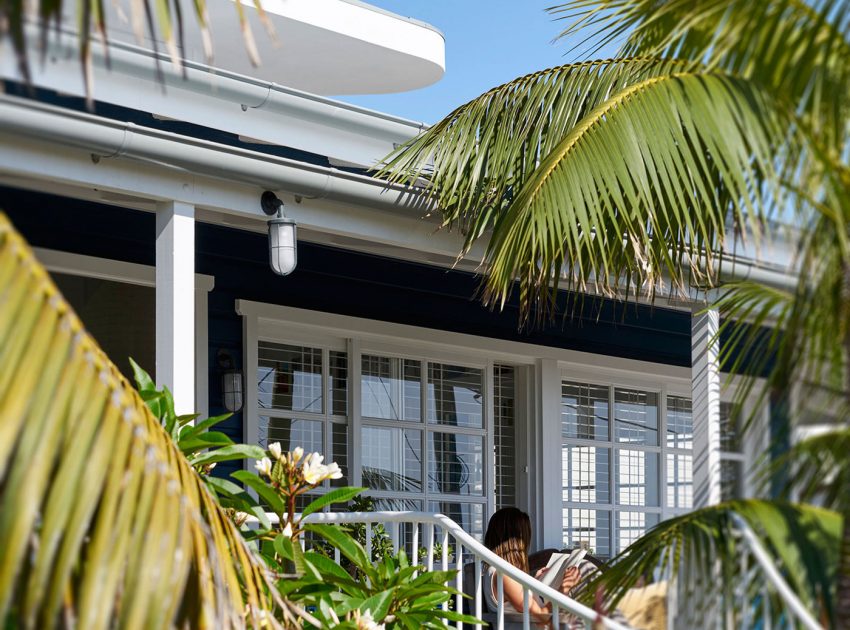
column 509, row 536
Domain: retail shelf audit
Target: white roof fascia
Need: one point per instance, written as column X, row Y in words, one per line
column 221, row 100
column 331, row 201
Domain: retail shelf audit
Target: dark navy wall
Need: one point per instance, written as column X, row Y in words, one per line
column 337, row 281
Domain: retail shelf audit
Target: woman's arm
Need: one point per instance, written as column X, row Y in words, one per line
column 513, row 594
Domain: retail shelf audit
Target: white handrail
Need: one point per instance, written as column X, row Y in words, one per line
column 774, row 577
column 479, row 551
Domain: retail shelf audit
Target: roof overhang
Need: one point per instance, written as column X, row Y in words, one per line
column 328, row 47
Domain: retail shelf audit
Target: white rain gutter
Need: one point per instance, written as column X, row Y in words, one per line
column 219, row 99
column 105, row 139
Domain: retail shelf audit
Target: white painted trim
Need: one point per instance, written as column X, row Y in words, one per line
column 550, row 516
column 57, row 261
column 69, row 263
column 384, row 334
column 705, row 402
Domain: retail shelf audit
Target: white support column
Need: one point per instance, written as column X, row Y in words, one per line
column 175, row 302
column 203, row 285
column 705, row 387
column 549, row 518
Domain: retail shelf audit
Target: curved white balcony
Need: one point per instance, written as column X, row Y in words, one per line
column 325, row 47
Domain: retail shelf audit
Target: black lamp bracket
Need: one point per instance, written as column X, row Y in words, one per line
column 271, row 204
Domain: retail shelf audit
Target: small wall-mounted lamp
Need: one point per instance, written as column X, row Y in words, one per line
column 283, row 247
column 231, row 382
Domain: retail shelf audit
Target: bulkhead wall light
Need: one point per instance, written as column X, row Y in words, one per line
column 283, row 244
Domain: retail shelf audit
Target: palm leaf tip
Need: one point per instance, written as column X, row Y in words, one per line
column 102, row 518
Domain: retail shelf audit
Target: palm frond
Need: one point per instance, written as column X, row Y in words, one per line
column 101, row 517
column 799, row 50
column 817, row 469
column 703, row 549
column 599, row 177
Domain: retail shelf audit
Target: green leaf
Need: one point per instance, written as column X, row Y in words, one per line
column 284, row 547
column 340, row 495
column 265, row 492
column 204, row 425
column 227, row 453
column 144, row 383
column 347, row 546
column 326, row 566
column 210, row 439
column 379, row 604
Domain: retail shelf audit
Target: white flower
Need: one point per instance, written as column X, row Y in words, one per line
column 365, row 621
column 313, row 470
column 297, row 454
column 275, row 449
column 264, row 466
column 333, row 471
column 287, row 531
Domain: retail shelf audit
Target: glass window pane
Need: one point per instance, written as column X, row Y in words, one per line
column 455, row 463
column 504, row 440
column 680, row 422
column 405, row 529
column 584, row 411
column 730, row 435
column 633, row 525
column 289, row 377
column 588, row 529
column 390, row 388
column 637, row 478
column 586, row 471
column 339, row 449
column 338, row 385
column 636, row 416
column 392, row 459
column 680, row 481
column 454, row 395
column 470, row 516
column 731, row 479
column 308, row 434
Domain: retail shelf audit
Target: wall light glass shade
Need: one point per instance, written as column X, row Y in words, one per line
column 283, row 252
column 231, row 390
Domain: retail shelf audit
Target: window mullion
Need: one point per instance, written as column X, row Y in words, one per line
column 355, row 433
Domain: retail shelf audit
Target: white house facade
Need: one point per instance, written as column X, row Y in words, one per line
column 373, row 350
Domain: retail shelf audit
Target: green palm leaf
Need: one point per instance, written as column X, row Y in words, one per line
column 702, row 548
column 601, row 177
column 103, row 522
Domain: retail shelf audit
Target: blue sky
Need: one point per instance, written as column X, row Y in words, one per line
column 488, row 42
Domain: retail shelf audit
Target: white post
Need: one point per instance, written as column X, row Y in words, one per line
column 705, row 386
column 549, row 518
column 175, row 302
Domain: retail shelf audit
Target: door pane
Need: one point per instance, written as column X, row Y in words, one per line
column 680, row 423
column 291, row 433
column 289, row 378
column 584, row 411
column 470, row 516
column 392, row 459
column 633, row 525
column 390, row 388
column 504, row 440
column 636, row 417
column 455, row 463
column 680, row 481
column 637, row 478
column 589, row 529
column 586, row 471
column 455, row 395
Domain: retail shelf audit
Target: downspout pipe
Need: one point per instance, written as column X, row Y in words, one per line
column 105, row 138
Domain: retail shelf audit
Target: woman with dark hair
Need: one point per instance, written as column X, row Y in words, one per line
column 509, row 537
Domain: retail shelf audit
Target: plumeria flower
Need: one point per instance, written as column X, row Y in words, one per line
column 365, row 621
column 287, row 531
column 275, row 449
column 333, row 471
column 297, row 454
column 313, row 470
column 264, row 466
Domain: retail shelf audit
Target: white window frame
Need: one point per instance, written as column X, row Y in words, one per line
column 84, row 266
